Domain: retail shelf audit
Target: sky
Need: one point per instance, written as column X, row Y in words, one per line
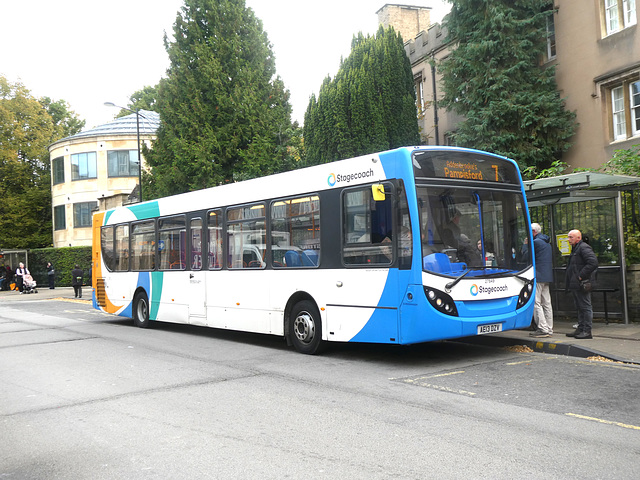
column 88, row 53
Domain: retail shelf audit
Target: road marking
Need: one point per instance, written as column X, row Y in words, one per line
column 444, row 374
column 530, row 360
column 437, row 387
column 419, row 381
column 600, row 420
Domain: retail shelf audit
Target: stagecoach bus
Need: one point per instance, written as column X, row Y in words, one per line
column 405, row 246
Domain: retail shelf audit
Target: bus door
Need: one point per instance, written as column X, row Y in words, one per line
column 197, row 276
column 364, row 308
column 197, row 297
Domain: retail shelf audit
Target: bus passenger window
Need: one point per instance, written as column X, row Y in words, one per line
column 106, row 246
column 367, row 227
column 246, row 236
column 295, row 232
column 172, row 249
column 122, row 248
column 143, row 246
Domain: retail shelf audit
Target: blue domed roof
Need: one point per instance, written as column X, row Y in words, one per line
column 149, row 123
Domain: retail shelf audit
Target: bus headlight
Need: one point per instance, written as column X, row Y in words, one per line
column 525, row 294
column 441, row 301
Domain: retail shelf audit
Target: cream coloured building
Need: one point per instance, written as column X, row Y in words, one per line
column 95, row 169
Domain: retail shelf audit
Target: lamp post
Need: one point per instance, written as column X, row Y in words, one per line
column 138, row 115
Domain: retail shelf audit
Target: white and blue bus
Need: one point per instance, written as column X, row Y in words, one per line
column 405, row 246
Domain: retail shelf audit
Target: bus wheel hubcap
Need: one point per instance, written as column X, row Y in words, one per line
column 304, row 327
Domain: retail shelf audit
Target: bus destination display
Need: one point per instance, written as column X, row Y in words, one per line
column 464, row 166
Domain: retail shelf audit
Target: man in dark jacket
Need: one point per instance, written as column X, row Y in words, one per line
column 543, row 312
column 582, row 264
column 76, row 280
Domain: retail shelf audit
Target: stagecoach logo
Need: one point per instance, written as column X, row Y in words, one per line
column 333, row 178
column 475, row 290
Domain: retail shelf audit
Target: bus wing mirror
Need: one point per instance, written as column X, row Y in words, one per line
column 378, row 192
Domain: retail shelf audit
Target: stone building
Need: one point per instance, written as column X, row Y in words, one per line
column 595, row 48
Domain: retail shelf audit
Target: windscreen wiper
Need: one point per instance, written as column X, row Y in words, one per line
column 453, row 283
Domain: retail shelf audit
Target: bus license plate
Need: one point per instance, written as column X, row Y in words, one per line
column 491, row 328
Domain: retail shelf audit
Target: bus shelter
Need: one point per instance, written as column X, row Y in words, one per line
column 12, row 258
column 597, row 204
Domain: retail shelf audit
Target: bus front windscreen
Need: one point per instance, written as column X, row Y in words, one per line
column 473, row 228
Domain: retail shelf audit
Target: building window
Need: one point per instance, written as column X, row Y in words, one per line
column 551, row 38
column 59, row 221
column 82, row 214
column 617, row 107
column 625, row 110
column 122, row 163
column 619, row 14
column 419, row 86
column 83, row 166
column 57, row 168
column 634, row 93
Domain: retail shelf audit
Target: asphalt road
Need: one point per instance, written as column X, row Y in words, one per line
column 87, row 395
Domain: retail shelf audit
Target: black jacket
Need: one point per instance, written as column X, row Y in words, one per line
column 76, row 276
column 582, row 264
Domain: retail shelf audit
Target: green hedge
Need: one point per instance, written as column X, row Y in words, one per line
column 63, row 261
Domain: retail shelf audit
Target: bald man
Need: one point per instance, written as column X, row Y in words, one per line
column 582, row 264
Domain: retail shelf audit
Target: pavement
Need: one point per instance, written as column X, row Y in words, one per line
column 614, row 341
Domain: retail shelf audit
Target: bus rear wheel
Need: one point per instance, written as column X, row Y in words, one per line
column 141, row 310
column 305, row 328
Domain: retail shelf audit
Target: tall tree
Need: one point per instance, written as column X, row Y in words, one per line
column 494, row 78
column 369, row 106
column 224, row 114
column 27, row 127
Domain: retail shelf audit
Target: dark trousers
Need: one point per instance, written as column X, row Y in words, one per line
column 78, row 290
column 585, row 311
column 51, row 281
column 20, row 282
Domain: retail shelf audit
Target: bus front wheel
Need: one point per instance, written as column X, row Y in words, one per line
column 141, row 310
column 305, row 327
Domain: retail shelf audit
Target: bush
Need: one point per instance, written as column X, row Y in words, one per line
column 63, row 261
column 632, row 248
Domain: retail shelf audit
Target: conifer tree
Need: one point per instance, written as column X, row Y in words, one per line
column 369, row 106
column 494, row 78
column 224, row 114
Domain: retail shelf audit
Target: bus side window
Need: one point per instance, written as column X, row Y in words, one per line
column 143, row 246
column 122, row 248
column 367, row 228
column 246, row 236
column 172, row 250
column 106, row 246
column 295, row 232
